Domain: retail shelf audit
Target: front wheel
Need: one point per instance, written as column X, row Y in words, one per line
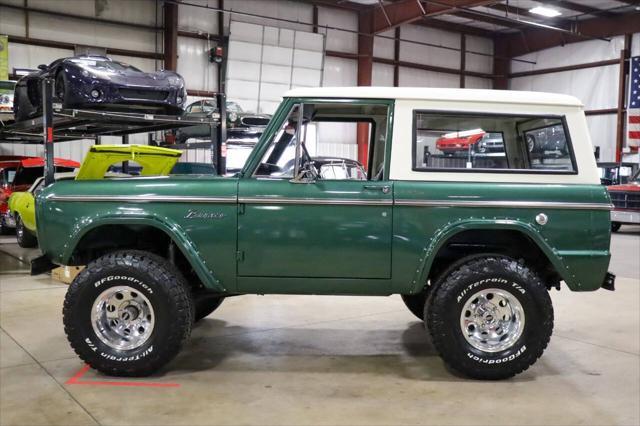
column 490, row 318
column 128, row 313
column 615, row 226
column 24, row 237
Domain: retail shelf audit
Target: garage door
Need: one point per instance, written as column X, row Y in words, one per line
column 264, row 62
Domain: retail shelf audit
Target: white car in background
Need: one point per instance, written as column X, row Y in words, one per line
column 6, row 100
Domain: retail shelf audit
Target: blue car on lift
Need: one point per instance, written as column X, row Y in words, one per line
column 98, row 82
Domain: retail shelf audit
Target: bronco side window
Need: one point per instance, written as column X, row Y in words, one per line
column 491, row 142
column 328, row 147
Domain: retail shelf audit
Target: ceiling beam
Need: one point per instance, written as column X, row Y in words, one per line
column 490, row 19
column 534, row 39
column 455, row 27
column 408, row 11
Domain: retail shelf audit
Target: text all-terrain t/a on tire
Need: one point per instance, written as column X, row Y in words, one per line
column 490, row 317
column 128, row 313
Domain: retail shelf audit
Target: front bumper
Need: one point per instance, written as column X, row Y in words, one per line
column 609, row 282
column 625, row 216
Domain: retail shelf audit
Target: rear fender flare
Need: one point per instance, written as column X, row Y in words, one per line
column 442, row 235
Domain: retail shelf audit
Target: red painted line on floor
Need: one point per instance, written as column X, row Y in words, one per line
column 75, row 380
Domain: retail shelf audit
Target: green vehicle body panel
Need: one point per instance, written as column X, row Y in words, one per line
column 276, row 236
column 23, row 204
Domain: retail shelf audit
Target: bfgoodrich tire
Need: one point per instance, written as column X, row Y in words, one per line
column 490, row 317
column 128, row 313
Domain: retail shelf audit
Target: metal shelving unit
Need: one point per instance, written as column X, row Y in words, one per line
column 58, row 125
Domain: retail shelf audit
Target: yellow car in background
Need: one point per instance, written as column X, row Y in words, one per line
column 154, row 161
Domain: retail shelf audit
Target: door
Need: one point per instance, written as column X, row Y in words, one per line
column 294, row 222
column 324, row 229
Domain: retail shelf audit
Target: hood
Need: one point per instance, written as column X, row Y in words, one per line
column 122, row 73
column 155, row 161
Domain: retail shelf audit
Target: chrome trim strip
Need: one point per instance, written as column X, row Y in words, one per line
column 505, row 204
column 143, row 199
column 332, row 201
column 316, row 201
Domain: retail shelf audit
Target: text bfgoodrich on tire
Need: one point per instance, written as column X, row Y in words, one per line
column 484, row 278
column 152, row 281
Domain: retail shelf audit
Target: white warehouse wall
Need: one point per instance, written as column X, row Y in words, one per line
column 597, row 88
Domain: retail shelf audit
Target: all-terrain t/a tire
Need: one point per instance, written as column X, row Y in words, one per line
column 24, row 237
column 205, row 304
column 415, row 303
column 490, row 317
column 128, row 313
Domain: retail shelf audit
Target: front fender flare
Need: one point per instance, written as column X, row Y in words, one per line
column 164, row 224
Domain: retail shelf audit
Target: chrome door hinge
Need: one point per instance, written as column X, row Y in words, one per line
column 239, row 256
column 241, row 208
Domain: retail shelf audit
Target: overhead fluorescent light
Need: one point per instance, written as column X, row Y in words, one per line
column 545, row 11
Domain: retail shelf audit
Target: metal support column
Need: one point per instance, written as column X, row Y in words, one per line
column 220, row 160
column 125, row 164
column 47, row 124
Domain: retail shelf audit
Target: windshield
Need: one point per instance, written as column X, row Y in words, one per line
column 104, row 65
column 234, row 107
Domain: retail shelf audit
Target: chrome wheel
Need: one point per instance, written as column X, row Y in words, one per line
column 492, row 320
column 122, row 318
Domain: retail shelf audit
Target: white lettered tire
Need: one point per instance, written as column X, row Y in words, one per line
column 490, row 317
column 128, row 313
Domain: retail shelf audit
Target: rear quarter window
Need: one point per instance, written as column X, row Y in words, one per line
column 455, row 141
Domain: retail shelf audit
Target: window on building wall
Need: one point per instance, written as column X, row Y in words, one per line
column 491, row 143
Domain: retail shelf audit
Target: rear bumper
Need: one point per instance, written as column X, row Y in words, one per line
column 625, row 216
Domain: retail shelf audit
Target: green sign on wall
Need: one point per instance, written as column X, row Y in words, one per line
column 4, row 57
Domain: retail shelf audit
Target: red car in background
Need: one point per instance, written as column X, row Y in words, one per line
column 626, row 202
column 17, row 173
column 450, row 143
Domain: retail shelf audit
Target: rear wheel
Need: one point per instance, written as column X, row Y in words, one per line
column 128, row 313
column 490, row 318
column 25, row 238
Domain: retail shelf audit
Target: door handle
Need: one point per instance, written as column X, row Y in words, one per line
column 382, row 188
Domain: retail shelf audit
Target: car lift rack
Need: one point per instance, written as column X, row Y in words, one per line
column 57, row 125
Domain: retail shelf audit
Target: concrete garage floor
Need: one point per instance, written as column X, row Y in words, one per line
column 323, row 360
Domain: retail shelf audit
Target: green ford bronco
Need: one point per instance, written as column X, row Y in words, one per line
column 473, row 241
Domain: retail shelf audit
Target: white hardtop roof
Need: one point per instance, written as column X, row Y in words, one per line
column 437, row 94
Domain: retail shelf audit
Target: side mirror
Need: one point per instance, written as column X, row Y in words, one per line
column 43, row 67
